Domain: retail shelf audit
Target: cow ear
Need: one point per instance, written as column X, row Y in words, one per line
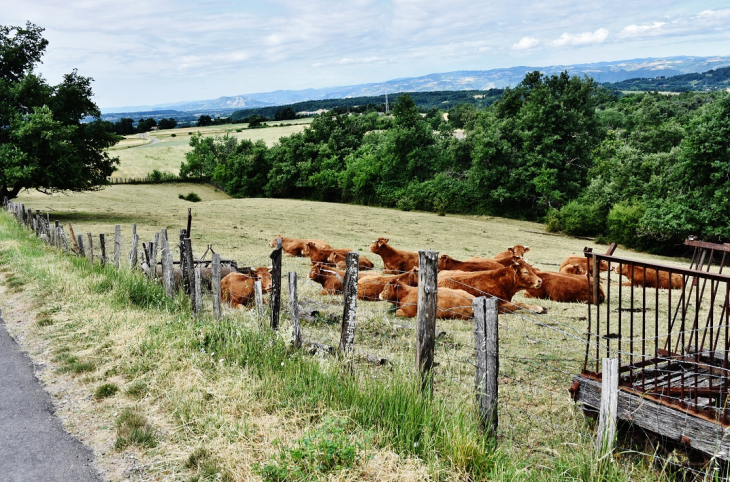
column 385, row 240
column 511, row 248
column 527, row 248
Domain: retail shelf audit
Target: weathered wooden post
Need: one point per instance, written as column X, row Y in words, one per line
column 215, row 284
column 190, row 268
column 427, row 303
column 609, row 406
column 102, row 243
column 167, row 266
column 91, row 248
column 190, row 221
column 183, row 262
column 153, row 256
column 275, row 301
column 56, row 241
column 486, row 347
column 294, row 311
column 117, row 244
column 133, row 261
column 349, row 313
column 196, row 300
column 80, row 242
column 258, row 297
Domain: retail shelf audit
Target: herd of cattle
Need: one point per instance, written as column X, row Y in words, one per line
column 459, row 282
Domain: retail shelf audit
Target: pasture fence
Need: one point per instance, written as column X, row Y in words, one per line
column 516, row 368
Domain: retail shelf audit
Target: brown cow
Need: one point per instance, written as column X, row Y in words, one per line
column 338, row 259
column 582, row 261
column 317, row 255
column 649, row 277
column 394, row 260
column 501, row 283
column 450, row 304
column 237, row 289
column 331, row 279
column 296, row 246
column 564, row 288
column 505, row 257
column 446, row 262
column 572, row 269
column 369, row 288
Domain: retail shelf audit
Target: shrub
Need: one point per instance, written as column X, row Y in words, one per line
column 622, row 224
column 578, row 219
column 173, row 135
column 160, row 176
column 192, row 197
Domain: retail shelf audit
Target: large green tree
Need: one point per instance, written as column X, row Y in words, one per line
column 45, row 143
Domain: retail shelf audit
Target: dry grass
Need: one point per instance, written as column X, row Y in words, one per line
column 167, row 154
column 187, row 401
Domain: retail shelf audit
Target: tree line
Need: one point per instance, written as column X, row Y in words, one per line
column 644, row 170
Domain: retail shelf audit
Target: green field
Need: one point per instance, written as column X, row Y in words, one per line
column 160, row 150
column 540, row 426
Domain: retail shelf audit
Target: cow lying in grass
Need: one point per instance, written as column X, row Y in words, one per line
column 318, row 255
column 501, row 283
column 370, row 287
column 394, row 261
column 564, row 288
column 505, row 257
column 296, row 246
column 447, row 263
column 451, row 304
column 237, row 289
column 339, row 260
column 582, row 263
column 650, row 278
column 331, row 279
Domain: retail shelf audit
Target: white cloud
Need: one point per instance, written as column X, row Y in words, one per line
column 526, row 43
column 585, row 38
column 642, row 30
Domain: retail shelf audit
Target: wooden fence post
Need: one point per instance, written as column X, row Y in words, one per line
column 102, row 243
column 349, row 313
column 215, row 284
column 183, row 263
column 196, row 299
column 427, row 302
column 91, row 248
column 190, row 221
column 153, row 255
column 167, row 267
column 294, row 310
column 133, row 253
column 190, row 267
column 258, row 297
column 609, row 407
column 486, row 346
column 80, row 242
column 117, row 244
column 275, row 301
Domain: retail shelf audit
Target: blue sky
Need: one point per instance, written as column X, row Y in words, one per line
column 165, row 51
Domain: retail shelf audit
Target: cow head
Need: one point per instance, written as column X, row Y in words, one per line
column 389, row 292
column 574, row 269
column 409, row 278
column 272, row 244
column 525, row 275
column 444, row 262
column 307, row 246
column 377, row 244
column 518, row 251
column 335, row 258
column 264, row 274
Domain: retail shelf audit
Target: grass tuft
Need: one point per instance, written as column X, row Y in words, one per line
column 206, row 465
column 72, row 364
column 105, row 391
column 133, row 429
column 136, row 390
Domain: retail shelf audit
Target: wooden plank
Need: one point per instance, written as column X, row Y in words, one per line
column 153, row 256
column 704, row 435
column 215, row 284
column 190, row 269
column 91, row 247
column 167, row 266
column 294, row 311
column 275, row 302
column 133, row 253
column 609, row 406
column 259, row 298
column 426, row 317
column 349, row 313
column 486, row 345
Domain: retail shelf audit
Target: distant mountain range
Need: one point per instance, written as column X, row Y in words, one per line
column 602, row 72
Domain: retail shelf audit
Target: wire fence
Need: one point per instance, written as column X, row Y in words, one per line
column 541, row 352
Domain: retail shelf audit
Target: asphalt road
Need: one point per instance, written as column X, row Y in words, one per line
column 33, row 444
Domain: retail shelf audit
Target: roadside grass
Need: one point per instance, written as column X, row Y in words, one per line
column 237, row 385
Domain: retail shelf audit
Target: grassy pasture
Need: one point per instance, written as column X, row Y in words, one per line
column 138, row 157
column 542, row 436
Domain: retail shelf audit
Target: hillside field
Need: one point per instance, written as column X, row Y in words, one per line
column 160, row 150
column 539, row 424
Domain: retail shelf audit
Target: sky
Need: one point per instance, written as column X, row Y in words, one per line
column 161, row 51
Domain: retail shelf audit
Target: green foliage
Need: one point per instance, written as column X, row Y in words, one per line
column 578, row 219
column 623, row 225
column 72, row 364
column 105, row 391
column 326, row 450
column 191, row 196
column 45, row 142
column 159, row 176
column 133, row 429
